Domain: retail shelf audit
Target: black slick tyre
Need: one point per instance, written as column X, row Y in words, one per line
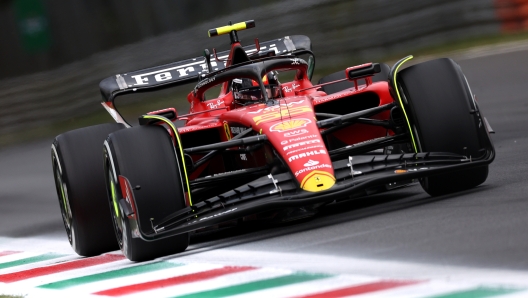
column 79, row 179
column 146, row 157
column 444, row 118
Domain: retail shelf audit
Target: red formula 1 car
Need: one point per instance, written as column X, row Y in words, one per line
column 268, row 145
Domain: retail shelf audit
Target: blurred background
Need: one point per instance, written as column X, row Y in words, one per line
column 54, row 53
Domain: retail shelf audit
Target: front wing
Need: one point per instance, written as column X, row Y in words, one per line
column 354, row 176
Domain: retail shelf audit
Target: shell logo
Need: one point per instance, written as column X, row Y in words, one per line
column 290, row 124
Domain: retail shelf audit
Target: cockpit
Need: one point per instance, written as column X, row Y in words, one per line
column 252, row 82
column 247, row 91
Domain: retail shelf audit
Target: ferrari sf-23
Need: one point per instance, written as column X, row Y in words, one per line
column 268, row 145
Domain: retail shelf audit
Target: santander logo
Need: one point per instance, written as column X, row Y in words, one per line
column 311, row 163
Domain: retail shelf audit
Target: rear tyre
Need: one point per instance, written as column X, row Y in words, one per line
column 146, row 157
column 443, row 116
column 79, row 180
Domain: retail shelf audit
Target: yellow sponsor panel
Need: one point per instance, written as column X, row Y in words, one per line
column 290, row 124
column 278, row 114
column 317, row 181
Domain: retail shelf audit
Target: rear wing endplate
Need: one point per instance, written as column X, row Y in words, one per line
column 187, row 71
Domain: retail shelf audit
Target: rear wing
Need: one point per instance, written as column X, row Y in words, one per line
column 188, row 71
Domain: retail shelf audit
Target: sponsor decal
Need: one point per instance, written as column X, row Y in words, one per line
column 286, row 148
column 218, row 214
column 287, row 89
column 306, row 154
column 237, row 129
column 290, row 124
column 214, row 105
column 403, row 171
column 279, row 113
column 302, row 138
column 293, row 87
column 311, row 163
column 228, row 172
column 304, row 149
column 364, row 142
column 197, row 127
column 161, row 75
column 295, row 133
column 205, row 82
column 227, row 131
column 169, row 73
column 297, row 61
column 311, row 168
column 342, row 95
column 185, row 70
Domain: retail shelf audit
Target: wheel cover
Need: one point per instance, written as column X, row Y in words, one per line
column 64, row 204
column 113, row 195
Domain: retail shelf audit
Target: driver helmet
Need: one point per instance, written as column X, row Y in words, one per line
column 248, row 91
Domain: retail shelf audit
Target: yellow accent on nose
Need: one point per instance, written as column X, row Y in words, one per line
column 317, row 181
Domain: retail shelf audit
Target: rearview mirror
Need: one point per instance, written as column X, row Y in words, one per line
column 362, row 71
column 169, row 113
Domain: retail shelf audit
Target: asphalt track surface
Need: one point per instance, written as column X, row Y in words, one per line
column 486, row 227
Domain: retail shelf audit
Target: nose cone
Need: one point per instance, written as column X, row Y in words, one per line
column 317, row 181
column 291, row 128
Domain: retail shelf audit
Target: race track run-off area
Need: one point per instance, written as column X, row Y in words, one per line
column 396, row 244
column 226, row 272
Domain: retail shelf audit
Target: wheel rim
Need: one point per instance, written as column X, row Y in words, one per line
column 113, row 195
column 64, row 204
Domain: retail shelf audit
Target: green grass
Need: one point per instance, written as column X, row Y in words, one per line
column 12, row 296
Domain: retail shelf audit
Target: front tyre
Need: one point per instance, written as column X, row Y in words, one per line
column 146, row 157
column 79, row 180
column 444, row 118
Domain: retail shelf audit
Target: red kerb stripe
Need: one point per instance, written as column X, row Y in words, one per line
column 362, row 289
column 6, row 253
column 25, row 274
column 172, row 281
